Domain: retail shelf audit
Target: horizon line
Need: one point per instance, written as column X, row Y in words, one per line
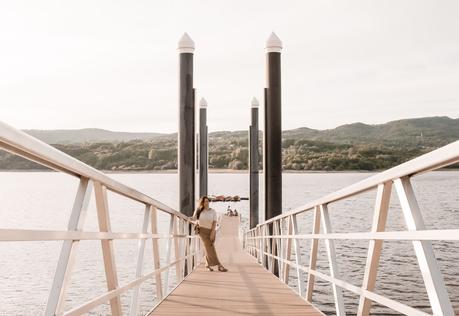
column 238, row 130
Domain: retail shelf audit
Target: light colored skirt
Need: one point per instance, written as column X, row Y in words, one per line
column 211, row 253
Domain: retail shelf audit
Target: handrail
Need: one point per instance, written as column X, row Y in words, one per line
column 187, row 248
column 442, row 157
column 273, row 241
column 22, row 144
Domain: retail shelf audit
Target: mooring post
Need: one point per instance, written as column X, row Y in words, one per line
column 203, row 152
column 186, row 133
column 253, row 164
column 272, row 157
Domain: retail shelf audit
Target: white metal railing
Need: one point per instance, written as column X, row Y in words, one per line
column 272, row 245
column 187, row 248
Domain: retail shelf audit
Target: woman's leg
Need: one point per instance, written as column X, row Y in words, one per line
column 211, row 253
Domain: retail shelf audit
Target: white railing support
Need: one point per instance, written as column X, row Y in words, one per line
column 433, row 279
column 107, row 246
column 168, row 253
column 269, row 243
column 313, row 255
column 261, row 245
column 288, row 250
column 155, row 248
column 275, row 250
column 298, row 261
column 333, row 265
column 69, row 249
column 374, row 248
column 140, row 256
column 178, row 273
column 21, row 144
column 420, row 237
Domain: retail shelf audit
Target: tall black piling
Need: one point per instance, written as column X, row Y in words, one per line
column 272, row 156
column 186, row 141
column 253, row 164
column 203, row 148
column 186, row 133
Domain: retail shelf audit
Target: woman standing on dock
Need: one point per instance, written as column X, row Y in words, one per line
column 206, row 228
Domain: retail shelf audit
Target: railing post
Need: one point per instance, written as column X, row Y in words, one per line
column 182, row 247
column 187, row 249
column 270, row 245
column 313, row 255
column 69, row 249
column 168, row 254
column 288, row 250
column 140, row 255
column 264, row 258
column 260, row 245
column 275, row 248
column 156, row 257
column 433, row 279
column 107, row 245
column 330, row 245
column 294, row 226
column 178, row 270
column 192, row 248
column 375, row 246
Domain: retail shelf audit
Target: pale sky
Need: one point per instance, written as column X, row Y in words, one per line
column 114, row 64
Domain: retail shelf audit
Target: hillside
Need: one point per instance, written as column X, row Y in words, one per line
column 91, row 135
column 427, row 130
column 356, row 146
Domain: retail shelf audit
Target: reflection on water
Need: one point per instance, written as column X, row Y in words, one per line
column 38, row 200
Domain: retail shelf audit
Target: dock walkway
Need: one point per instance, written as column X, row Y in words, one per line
column 246, row 289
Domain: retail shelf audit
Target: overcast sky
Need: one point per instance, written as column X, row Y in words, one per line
column 114, row 64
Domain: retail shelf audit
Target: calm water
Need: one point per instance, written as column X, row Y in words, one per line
column 42, row 200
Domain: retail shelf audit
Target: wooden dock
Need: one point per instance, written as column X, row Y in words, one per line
column 246, row 289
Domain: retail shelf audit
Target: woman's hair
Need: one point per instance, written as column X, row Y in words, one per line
column 201, row 205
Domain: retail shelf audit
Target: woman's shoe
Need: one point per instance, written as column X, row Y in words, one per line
column 209, row 269
column 222, row 269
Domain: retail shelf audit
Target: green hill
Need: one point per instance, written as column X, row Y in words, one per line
column 354, row 146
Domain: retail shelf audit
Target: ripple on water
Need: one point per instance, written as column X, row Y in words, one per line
column 28, row 268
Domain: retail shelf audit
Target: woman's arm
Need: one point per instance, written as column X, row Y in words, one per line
column 213, row 231
column 194, row 218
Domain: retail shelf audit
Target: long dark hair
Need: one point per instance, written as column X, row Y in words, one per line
column 201, row 205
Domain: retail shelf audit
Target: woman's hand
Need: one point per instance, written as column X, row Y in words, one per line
column 212, row 235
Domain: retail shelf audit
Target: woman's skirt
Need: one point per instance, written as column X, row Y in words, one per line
column 211, row 253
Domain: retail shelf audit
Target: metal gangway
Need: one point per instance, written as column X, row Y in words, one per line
column 258, row 281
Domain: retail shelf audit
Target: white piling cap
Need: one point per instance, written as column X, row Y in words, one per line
column 186, row 44
column 255, row 103
column 273, row 44
column 203, row 103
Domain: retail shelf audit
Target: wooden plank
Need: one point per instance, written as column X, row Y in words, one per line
column 107, row 246
column 246, row 289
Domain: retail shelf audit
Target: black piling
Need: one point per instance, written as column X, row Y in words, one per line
column 253, row 164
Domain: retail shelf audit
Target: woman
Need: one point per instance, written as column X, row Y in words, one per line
column 207, row 223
